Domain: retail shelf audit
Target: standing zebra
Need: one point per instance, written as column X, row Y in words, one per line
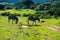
column 13, row 18
column 32, row 18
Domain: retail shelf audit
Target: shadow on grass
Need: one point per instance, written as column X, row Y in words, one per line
column 28, row 25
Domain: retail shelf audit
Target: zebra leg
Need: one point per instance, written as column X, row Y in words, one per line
column 33, row 23
column 27, row 22
column 8, row 20
column 16, row 22
column 12, row 21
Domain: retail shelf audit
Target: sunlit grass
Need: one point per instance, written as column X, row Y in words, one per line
column 52, row 21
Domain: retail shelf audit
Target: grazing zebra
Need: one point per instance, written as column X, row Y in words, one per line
column 32, row 18
column 13, row 18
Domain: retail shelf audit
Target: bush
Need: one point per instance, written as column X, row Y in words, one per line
column 59, row 22
column 5, row 13
column 26, row 15
column 47, row 16
column 17, row 14
column 56, row 17
column 42, row 21
column 42, row 15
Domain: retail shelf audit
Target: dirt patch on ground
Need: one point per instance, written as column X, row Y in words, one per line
column 55, row 28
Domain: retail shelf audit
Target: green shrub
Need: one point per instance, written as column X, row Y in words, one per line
column 59, row 22
column 26, row 15
column 17, row 14
column 47, row 16
column 43, row 21
column 5, row 14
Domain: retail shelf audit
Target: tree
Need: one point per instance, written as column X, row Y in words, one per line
column 43, row 6
column 2, row 7
column 26, row 4
column 55, row 9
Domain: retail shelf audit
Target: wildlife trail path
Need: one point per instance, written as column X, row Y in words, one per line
column 52, row 27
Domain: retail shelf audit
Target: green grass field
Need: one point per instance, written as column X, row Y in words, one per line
column 16, row 32
column 52, row 21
